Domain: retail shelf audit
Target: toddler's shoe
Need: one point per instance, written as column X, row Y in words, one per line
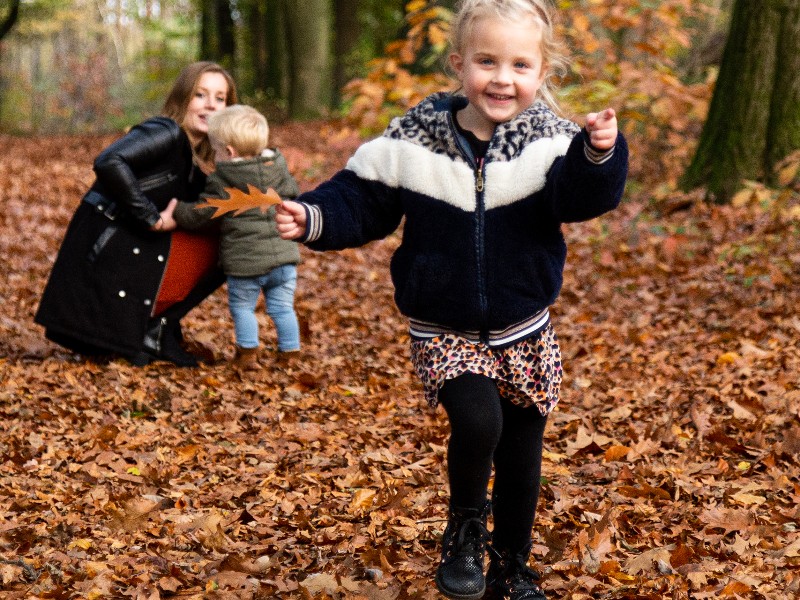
column 287, row 357
column 245, row 359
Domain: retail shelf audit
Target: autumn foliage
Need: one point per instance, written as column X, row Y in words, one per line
column 635, row 56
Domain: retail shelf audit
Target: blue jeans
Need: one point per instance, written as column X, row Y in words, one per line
column 278, row 286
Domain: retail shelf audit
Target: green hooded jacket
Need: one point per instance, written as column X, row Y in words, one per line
column 250, row 245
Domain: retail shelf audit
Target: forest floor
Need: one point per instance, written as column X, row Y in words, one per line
column 672, row 461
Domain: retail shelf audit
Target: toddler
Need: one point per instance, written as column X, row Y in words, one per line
column 253, row 255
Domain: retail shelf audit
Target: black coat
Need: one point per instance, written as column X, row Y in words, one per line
column 107, row 274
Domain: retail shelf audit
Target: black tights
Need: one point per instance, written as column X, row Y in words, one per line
column 486, row 428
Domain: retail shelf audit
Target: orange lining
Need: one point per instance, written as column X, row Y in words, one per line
column 191, row 256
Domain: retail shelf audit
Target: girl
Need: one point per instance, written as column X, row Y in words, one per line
column 123, row 279
column 484, row 181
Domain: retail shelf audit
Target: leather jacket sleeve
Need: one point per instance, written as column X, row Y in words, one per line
column 144, row 147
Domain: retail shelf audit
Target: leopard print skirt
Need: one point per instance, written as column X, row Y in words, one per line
column 528, row 373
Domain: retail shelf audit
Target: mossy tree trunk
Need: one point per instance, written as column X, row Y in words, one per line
column 308, row 25
column 754, row 117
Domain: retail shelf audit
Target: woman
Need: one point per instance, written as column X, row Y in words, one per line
column 123, row 277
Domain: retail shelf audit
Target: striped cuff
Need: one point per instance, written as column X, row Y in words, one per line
column 313, row 223
column 596, row 156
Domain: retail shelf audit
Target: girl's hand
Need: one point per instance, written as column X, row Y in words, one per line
column 602, row 129
column 291, row 220
column 166, row 221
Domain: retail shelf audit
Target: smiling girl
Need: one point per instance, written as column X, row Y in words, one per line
column 484, row 179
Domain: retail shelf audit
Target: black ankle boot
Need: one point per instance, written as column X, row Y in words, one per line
column 510, row 578
column 460, row 573
column 162, row 342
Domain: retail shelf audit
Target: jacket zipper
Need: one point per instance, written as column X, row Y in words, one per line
column 478, row 166
column 153, row 181
column 480, row 216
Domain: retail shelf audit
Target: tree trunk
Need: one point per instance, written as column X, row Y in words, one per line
column 276, row 81
column 256, row 45
column 217, row 40
column 783, row 130
column 227, row 39
column 346, row 32
column 308, row 27
column 754, row 117
column 10, row 20
column 208, row 38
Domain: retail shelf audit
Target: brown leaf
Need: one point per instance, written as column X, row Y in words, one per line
column 239, row 201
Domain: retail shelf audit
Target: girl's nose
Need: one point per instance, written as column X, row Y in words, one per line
column 502, row 75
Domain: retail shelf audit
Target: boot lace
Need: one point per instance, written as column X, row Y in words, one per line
column 471, row 537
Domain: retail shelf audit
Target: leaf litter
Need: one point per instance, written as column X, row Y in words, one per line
column 671, row 463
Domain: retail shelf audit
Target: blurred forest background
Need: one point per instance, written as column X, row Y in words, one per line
column 95, row 66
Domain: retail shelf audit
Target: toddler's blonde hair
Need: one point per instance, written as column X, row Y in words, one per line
column 553, row 51
column 241, row 127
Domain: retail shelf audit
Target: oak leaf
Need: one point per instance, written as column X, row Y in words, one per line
column 239, row 201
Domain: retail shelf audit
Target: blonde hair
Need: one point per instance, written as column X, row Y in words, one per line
column 554, row 56
column 183, row 91
column 242, row 127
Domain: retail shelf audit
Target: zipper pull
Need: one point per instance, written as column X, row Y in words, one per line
column 479, row 176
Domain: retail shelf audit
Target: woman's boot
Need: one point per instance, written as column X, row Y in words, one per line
column 460, row 573
column 510, row 578
column 162, row 342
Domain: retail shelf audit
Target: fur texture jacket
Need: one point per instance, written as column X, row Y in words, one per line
column 482, row 249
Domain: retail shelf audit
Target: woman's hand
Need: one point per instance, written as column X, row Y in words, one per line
column 291, row 220
column 166, row 222
column 602, row 129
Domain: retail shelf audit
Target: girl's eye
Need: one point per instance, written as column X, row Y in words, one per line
column 486, row 61
column 521, row 65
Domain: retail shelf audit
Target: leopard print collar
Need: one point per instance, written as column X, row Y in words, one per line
column 430, row 124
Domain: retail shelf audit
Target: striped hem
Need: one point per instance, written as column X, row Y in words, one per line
column 422, row 330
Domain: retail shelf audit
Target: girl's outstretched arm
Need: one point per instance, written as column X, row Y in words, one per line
column 291, row 220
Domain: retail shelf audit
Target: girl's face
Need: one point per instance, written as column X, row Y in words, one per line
column 501, row 70
column 210, row 95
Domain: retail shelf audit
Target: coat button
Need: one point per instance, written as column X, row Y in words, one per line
column 122, row 293
column 148, row 302
column 136, row 251
column 160, row 258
